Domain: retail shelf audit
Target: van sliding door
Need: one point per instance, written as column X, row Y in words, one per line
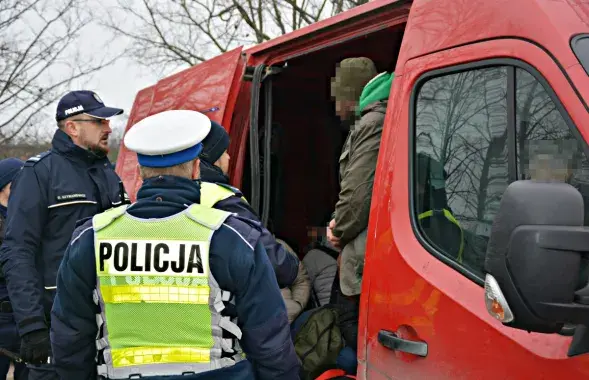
column 261, row 80
column 254, row 143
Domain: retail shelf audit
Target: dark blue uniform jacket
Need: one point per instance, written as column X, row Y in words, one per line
column 3, row 289
column 286, row 266
column 239, row 263
column 48, row 196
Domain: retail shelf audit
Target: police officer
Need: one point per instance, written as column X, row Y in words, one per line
column 172, row 275
column 9, row 339
column 71, row 181
column 216, row 192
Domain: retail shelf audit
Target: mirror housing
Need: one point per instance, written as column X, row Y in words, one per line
column 535, row 255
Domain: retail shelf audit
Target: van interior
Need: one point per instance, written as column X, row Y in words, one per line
column 307, row 136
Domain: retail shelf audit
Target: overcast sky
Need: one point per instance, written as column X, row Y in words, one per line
column 117, row 84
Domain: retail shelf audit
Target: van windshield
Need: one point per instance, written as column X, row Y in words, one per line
column 580, row 45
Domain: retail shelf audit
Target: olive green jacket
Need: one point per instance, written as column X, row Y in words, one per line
column 357, row 169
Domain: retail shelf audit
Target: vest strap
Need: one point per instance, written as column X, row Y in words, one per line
column 208, row 217
column 101, row 344
column 102, row 220
column 211, row 193
column 226, row 324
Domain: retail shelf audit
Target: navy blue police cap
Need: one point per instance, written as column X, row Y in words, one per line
column 84, row 102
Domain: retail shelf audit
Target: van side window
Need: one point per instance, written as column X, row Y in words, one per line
column 547, row 150
column 464, row 129
column 461, row 161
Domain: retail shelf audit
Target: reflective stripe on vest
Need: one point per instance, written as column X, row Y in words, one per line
column 160, row 305
column 452, row 219
column 211, row 193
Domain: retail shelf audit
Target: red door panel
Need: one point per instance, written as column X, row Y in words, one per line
column 410, row 292
column 209, row 87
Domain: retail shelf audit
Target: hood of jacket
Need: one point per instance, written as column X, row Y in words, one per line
column 164, row 196
column 212, row 173
column 377, row 90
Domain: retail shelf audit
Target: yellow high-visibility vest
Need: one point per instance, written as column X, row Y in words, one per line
column 159, row 302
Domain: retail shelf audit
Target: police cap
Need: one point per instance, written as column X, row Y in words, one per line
column 168, row 138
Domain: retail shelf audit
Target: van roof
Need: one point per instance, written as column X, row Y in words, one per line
column 320, row 26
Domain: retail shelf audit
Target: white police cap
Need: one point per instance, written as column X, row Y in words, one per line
column 168, row 138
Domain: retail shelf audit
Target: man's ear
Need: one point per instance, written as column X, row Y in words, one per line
column 71, row 128
column 196, row 169
column 140, row 173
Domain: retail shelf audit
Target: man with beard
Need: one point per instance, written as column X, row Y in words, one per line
column 217, row 193
column 72, row 181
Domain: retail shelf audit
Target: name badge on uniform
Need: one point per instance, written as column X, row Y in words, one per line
column 152, row 257
column 71, row 197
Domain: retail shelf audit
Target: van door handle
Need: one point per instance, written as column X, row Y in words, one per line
column 391, row 341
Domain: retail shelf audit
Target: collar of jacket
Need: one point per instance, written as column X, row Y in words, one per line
column 2, row 222
column 3, row 211
column 212, row 173
column 165, row 195
column 64, row 145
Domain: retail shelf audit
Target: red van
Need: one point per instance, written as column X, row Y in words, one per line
column 461, row 279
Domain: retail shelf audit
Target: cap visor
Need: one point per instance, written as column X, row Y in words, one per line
column 104, row 112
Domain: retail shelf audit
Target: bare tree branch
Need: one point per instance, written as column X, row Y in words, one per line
column 39, row 59
column 173, row 34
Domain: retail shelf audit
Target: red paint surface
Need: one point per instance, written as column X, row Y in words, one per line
column 210, row 84
column 405, row 288
column 405, row 284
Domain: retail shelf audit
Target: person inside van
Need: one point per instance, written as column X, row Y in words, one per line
column 296, row 296
column 320, row 262
column 557, row 161
column 217, row 193
column 358, row 93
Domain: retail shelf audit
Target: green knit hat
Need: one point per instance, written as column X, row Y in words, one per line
column 376, row 90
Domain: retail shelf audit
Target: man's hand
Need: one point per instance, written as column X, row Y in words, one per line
column 334, row 240
column 34, row 348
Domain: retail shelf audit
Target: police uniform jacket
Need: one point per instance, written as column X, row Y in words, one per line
column 286, row 266
column 238, row 262
column 48, row 196
column 3, row 289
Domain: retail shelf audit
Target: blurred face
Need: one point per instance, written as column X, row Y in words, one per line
column 89, row 132
column 223, row 163
column 547, row 167
column 344, row 109
column 4, row 194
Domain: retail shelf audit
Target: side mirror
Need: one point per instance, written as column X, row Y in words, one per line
column 535, row 258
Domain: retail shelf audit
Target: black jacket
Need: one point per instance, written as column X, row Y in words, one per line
column 49, row 195
column 286, row 266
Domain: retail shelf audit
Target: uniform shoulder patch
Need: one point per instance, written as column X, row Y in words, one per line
column 230, row 188
column 36, row 159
